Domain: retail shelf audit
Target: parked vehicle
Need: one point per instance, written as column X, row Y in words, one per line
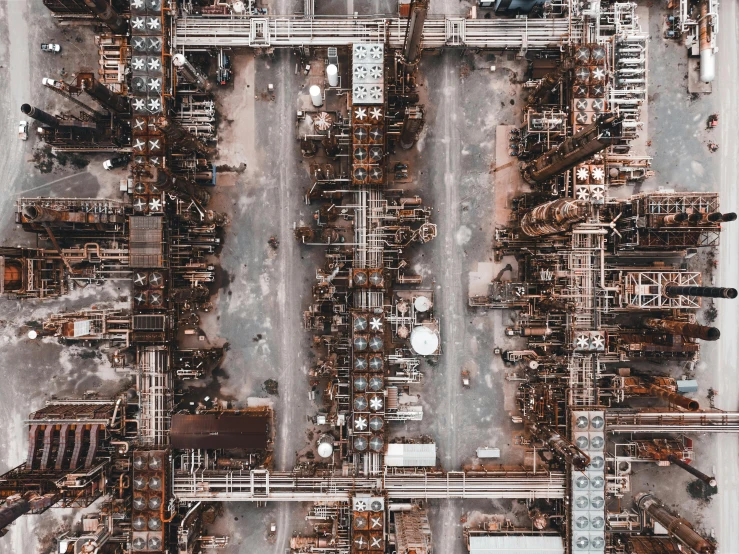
column 51, row 47
column 114, row 163
column 23, row 130
column 400, row 166
column 712, row 121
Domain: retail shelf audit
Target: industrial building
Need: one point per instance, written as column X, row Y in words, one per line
column 596, row 297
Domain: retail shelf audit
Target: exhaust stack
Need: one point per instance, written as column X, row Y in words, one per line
column 40, row 115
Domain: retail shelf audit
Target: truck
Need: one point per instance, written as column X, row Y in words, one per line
column 51, row 47
column 466, row 379
column 113, row 163
column 23, row 130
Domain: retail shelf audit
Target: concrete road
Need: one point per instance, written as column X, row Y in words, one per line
column 726, row 451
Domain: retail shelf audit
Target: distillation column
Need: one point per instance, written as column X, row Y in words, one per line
column 588, row 141
column 706, row 292
column 691, row 330
column 105, row 13
column 676, row 527
column 40, row 115
column 192, row 74
column 114, row 102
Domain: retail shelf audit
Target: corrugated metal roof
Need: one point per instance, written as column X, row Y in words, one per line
column 508, row 544
column 145, row 241
column 411, row 455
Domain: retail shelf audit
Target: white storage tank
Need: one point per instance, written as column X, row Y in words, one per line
column 315, row 96
column 332, row 73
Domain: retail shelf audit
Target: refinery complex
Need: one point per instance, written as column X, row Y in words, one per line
column 399, row 277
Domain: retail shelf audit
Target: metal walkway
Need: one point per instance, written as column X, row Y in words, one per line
column 261, row 485
column 277, row 32
column 672, row 422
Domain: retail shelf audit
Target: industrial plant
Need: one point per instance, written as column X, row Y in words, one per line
column 317, row 336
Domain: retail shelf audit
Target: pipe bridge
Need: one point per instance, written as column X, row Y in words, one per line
column 284, row 31
column 261, row 485
column 627, row 421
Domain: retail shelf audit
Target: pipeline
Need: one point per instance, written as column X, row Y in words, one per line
column 692, row 330
column 105, row 13
column 707, row 292
column 676, row 527
column 40, row 115
column 710, row 481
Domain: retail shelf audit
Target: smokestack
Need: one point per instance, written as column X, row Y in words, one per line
column 674, row 398
column 714, row 217
column 40, row 115
column 112, row 101
column 192, row 74
column 676, row 527
column 708, row 292
column 675, row 219
column 180, row 137
column 414, row 33
column 695, row 217
column 731, row 216
column 692, row 330
column 560, row 446
column 37, row 214
column 105, row 13
column 12, row 510
column 710, row 481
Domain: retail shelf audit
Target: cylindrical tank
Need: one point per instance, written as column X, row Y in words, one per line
column 676, row 526
column 535, row 331
column 315, row 96
column 692, row 330
column 708, row 58
column 325, row 446
column 332, row 73
column 40, row 115
column 708, row 292
column 189, row 71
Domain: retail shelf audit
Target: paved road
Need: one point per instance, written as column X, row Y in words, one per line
column 726, row 455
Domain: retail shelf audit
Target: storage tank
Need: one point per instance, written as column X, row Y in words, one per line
column 332, row 73
column 315, row 96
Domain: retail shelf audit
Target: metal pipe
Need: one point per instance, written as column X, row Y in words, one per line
column 40, row 115
column 676, row 527
column 707, row 292
column 179, row 136
column 710, row 481
column 684, row 328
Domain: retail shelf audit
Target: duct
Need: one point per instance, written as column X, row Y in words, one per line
column 707, row 292
column 710, row 481
column 560, row 446
column 674, row 398
column 40, row 115
column 676, row 527
column 579, row 147
column 107, row 98
column 192, row 74
column 552, row 217
column 105, row 13
column 414, row 32
column 692, row 330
